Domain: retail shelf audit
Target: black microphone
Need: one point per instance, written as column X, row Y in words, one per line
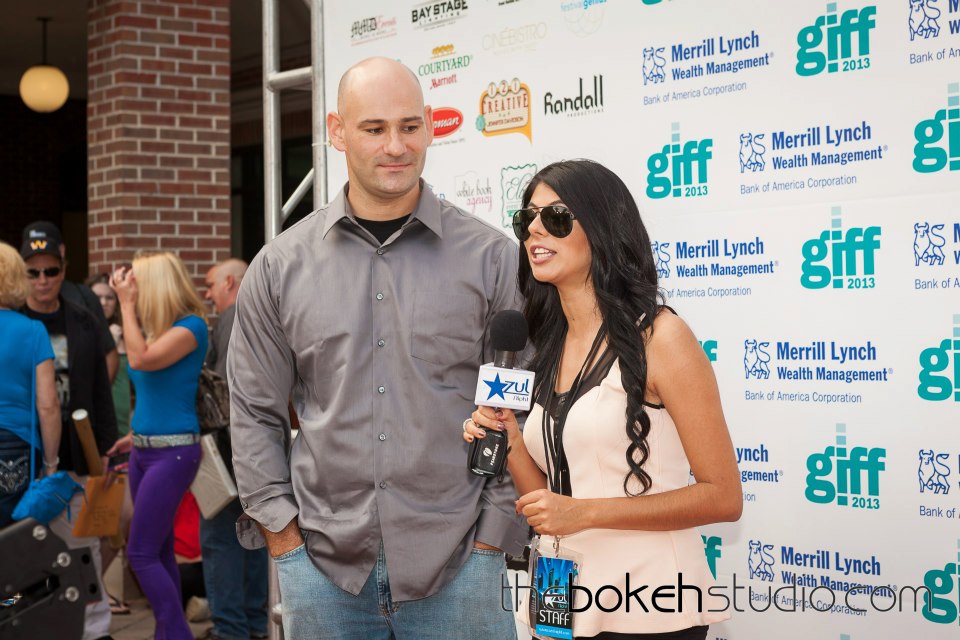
column 501, row 385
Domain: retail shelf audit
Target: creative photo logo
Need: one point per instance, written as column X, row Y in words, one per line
column 938, row 138
column 443, row 66
column 513, row 181
column 933, row 471
column 939, row 376
column 848, row 476
column 942, row 604
column 840, row 259
column 923, row 19
column 505, row 108
column 836, row 43
column 582, row 104
column 372, row 28
column 679, row 170
column 440, row 13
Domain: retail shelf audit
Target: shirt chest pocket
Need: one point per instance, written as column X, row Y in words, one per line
column 447, row 328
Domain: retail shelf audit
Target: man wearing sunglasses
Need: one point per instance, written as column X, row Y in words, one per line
column 374, row 311
column 80, row 349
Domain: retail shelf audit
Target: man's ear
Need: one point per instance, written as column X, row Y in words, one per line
column 428, row 123
column 335, row 131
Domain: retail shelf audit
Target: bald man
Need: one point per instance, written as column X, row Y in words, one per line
column 374, row 311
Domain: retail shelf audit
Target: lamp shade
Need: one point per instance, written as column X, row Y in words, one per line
column 44, row 88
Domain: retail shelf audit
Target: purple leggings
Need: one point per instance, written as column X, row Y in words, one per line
column 158, row 480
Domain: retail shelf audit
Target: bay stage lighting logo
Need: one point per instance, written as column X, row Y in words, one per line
column 938, row 138
column 845, row 475
column 934, row 472
column 372, row 28
column 582, row 104
column 443, row 66
column 679, row 170
column 840, row 259
column 505, row 108
column 836, row 43
column 513, row 182
column 939, row 376
column 583, row 17
column 712, row 549
column 942, row 605
column 440, row 13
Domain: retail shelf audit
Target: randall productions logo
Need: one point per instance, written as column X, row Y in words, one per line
column 848, row 476
column 840, row 259
column 582, row 104
column 443, row 66
column 372, row 28
column 942, row 604
column 679, row 169
column 513, row 182
column 446, row 120
column 836, row 43
column 939, row 377
column 505, row 108
column 431, row 15
column 938, row 138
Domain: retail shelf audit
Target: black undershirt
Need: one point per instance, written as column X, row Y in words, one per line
column 383, row 229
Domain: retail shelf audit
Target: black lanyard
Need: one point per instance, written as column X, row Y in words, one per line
column 558, row 471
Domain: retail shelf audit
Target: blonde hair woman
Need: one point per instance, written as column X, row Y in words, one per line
column 26, row 359
column 166, row 339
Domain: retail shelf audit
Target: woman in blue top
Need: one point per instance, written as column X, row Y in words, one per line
column 26, row 356
column 166, row 339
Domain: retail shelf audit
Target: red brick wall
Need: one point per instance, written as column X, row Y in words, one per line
column 158, row 128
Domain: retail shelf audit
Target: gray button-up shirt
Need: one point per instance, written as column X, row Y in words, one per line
column 381, row 345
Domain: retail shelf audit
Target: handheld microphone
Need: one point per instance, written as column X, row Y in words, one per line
column 501, row 385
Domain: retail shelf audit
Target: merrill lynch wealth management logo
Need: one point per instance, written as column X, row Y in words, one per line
column 937, row 383
column 751, row 152
column 654, row 65
column 934, row 472
column 760, row 561
column 836, row 43
column 756, row 359
column 845, row 475
column 928, row 244
column 923, row 19
column 929, row 155
column 849, row 257
column 679, row 170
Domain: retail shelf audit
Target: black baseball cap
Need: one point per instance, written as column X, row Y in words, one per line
column 41, row 237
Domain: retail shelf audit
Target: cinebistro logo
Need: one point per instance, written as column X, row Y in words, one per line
column 836, row 43
column 848, row 476
column 942, row 604
column 849, row 257
column 430, row 15
column 938, row 138
column 515, row 39
column 581, row 105
column 372, row 28
column 686, row 163
column 444, row 60
column 513, row 181
column 940, row 368
column 505, row 108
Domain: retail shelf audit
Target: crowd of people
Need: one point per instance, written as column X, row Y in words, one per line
column 368, row 321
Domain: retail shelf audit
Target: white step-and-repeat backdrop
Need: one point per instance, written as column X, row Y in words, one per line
column 798, row 167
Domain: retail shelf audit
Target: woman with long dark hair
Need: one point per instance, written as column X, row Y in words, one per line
column 627, row 406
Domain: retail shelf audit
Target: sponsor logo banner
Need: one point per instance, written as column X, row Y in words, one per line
column 505, row 108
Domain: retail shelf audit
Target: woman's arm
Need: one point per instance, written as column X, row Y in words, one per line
column 167, row 349
column 48, row 406
column 683, row 380
column 526, row 475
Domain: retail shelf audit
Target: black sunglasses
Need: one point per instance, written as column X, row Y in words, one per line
column 556, row 219
column 50, row 272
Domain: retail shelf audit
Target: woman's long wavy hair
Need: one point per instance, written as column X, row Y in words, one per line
column 624, row 276
column 165, row 292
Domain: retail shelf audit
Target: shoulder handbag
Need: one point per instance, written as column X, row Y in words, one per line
column 46, row 497
column 213, row 401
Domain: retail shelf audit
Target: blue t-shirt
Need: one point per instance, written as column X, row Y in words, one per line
column 24, row 344
column 167, row 398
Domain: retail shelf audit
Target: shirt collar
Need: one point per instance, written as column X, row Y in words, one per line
column 427, row 210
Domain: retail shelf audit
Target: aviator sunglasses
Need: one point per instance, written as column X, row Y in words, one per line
column 50, row 272
column 556, row 219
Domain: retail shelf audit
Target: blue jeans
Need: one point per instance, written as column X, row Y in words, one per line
column 469, row 608
column 235, row 578
column 14, row 472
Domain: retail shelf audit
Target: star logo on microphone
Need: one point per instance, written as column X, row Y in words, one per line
column 496, row 387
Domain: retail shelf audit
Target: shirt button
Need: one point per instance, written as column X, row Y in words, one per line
column 381, row 389
column 379, row 252
column 381, row 342
column 383, row 437
column 383, row 485
column 379, row 296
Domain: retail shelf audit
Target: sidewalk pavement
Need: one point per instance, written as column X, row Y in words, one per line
column 139, row 624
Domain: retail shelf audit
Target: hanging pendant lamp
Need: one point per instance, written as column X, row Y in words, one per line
column 44, row 88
